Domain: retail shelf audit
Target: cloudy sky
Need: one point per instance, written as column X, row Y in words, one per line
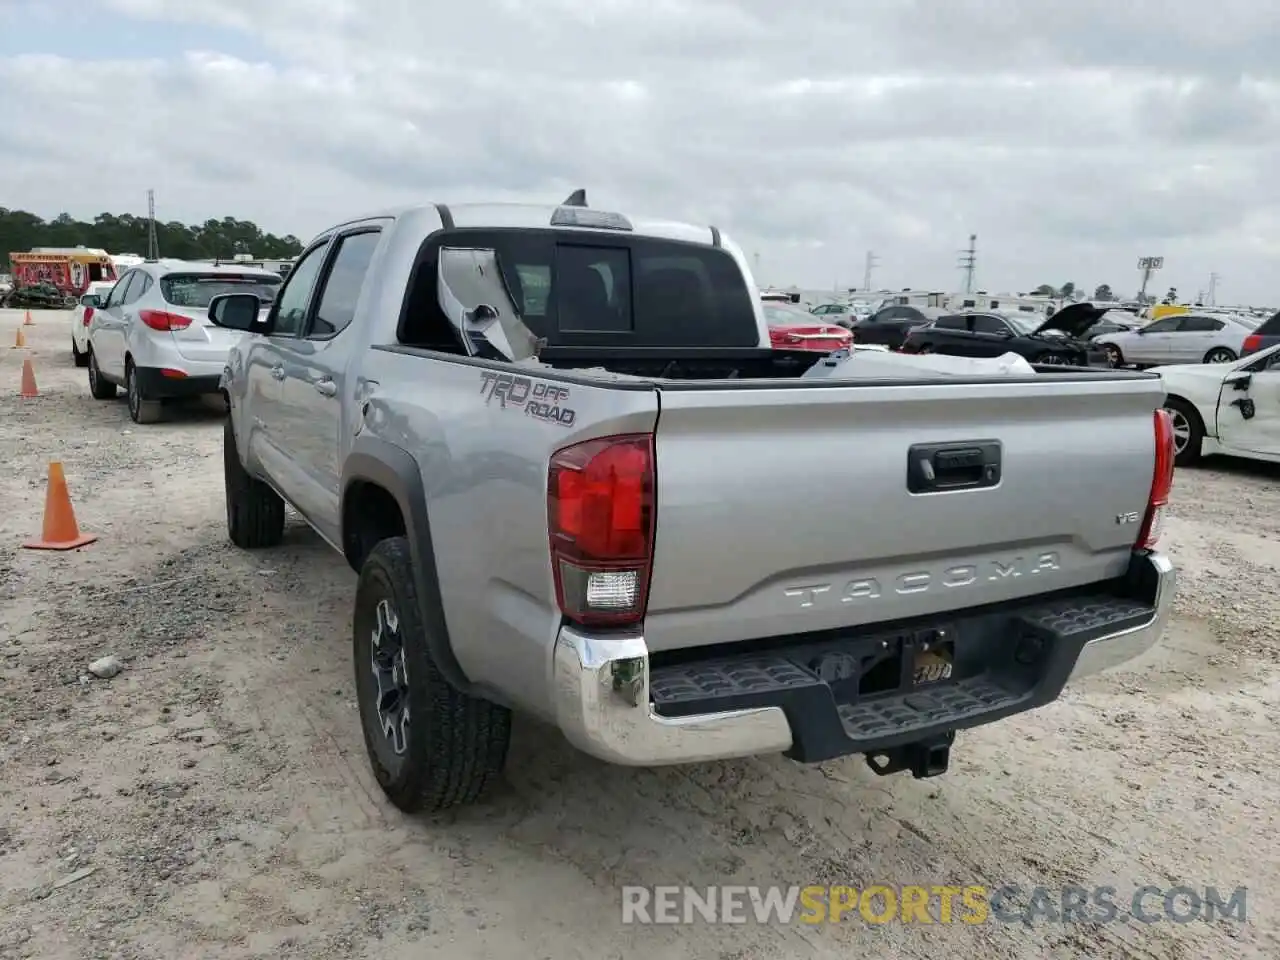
column 1072, row 138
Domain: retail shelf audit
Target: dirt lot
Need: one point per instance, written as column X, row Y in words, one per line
column 218, row 787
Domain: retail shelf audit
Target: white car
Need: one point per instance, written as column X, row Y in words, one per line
column 1201, row 337
column 1229, row 408
column 82, row 316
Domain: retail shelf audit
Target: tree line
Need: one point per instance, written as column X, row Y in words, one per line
column 20, row 231
column 1068, row 291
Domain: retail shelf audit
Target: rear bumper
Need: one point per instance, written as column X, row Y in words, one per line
column 612, row 703
column 156, row 384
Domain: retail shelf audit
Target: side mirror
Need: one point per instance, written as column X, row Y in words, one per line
column 237, row 311
column 1240, row 381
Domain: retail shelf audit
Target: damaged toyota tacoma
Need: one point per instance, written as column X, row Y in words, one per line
column 576, row 482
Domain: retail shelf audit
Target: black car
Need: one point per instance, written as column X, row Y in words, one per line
column 1057, row 340
column 1267, row 335
column 890, row 325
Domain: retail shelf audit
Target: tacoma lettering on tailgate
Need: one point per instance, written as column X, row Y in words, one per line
column 542, row 401
column 921, row 581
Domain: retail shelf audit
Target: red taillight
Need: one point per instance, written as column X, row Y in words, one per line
column 600, row 513
column 88, row 315
column 1252, row 342
column 1161, row 482
column 162, row 321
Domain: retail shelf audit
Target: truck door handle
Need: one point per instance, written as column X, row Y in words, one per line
column 940, row 467
column 325, row 387
column 277, row 373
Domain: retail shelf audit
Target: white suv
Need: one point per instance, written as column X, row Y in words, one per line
column 153, row 337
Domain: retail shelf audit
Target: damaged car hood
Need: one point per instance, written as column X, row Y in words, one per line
column 1072, row 320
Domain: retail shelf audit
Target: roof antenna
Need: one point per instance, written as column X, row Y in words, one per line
column 576, row 199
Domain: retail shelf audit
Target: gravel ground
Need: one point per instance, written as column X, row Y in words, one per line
column 218, row 791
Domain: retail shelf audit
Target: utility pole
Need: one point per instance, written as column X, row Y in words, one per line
column 969, row 262
column 872, row 262
column 1213, row 288
column 153, row 245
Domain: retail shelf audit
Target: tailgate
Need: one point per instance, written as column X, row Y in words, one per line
column 785, row 510
column 202, row 340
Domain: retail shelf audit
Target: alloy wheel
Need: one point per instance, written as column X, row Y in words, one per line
column 1181, row 429
column 391, row 678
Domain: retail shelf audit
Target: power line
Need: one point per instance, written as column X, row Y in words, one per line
column 969, row 262
column 872, row 262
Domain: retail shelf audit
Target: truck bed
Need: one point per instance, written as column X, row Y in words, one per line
column 783, row 504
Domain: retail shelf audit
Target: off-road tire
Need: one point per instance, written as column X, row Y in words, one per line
column 100, row 388
column 1183, row 412
column 142, row 409
column 457, row 744
column 255, row 512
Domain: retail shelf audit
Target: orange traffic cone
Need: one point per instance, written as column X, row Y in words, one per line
column 61, row 532
column 28, row 322
column 20, row 340
column 29, row 379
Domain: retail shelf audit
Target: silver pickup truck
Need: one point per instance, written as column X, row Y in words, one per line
column 576, row 483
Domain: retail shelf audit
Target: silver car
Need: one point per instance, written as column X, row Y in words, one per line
column 1184, row 338
column 153, row 337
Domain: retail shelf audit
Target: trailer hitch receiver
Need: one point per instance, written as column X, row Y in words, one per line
column 924, row 758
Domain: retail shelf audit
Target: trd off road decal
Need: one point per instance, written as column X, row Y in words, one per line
column 542, row 401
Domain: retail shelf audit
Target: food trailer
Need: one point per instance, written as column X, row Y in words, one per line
column 56, row 277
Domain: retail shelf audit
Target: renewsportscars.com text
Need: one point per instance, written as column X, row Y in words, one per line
column 973, row 904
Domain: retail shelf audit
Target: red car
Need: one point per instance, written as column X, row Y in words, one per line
column 791, row 328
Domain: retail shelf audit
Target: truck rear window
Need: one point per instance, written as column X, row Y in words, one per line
column 198, row 289
column 615, row 291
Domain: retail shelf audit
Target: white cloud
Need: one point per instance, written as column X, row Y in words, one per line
column 1072, row 138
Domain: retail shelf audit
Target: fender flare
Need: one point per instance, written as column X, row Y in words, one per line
column 390, row 467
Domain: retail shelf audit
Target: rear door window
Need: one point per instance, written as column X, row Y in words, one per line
column 1200, row 324
column 984, row 324
column 954, row 321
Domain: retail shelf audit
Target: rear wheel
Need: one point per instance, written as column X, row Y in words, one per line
column 1220, row 355
column 430, row 745
column 1053, row 359
column 100, row 388
column 1188, row 431
column 1114, row 356
column 255, row 512
column 142, row 409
